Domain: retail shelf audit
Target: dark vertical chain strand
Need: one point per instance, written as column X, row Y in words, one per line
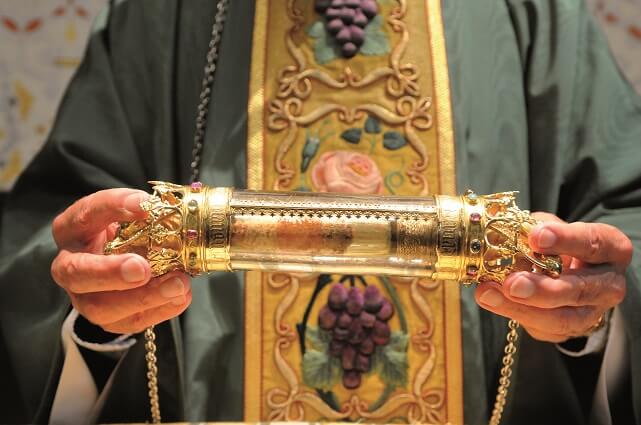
column 199, row 137
column 206, row 87
column 196, row 154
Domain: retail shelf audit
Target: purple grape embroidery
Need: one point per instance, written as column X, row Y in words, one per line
column 357, row 321
column 346, row 20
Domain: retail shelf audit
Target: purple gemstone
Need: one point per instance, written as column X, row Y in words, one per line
column 196, row 186
column 192, row 234
column 475, row 217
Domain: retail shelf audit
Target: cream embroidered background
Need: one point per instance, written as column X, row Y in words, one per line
column 621, row 21
column 41, row 42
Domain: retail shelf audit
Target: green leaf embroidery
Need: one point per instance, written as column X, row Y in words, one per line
column 311, row 147
column 324, row 51
column 376, row 42
column 372, row 126
column 320, row 370
column 393, row 140
column 305, row 163
column 324, row 48
column 317, row 338
column 352, row 135
column 317, row 29
column 309, row 151
column 391, row 361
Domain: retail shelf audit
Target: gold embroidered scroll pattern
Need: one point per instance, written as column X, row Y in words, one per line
column 411, row 111
column 428, row 404
column 295, row 84
column 424, row 405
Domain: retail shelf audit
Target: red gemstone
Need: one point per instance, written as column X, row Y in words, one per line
column 472, row 271
column 192, row 234
column 475, row 217
column 196, row 186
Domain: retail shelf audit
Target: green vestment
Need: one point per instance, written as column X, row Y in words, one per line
column 538, row 105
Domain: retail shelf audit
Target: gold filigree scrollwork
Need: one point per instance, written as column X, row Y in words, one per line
column 425, row 405
column 288, row 404
column 158, row 237
column 286, row 115
column 404, row 78
column 506, row 237
column 413, row 114
column 295, row 84
column 423, row 336
column 283, row 403
column 428, row 407
column 298, row 20
column 411, row 111
column 404, row 81
column 296, row 80
column 422, row 408
column 279, row 281
column 355, row 81
column 428, row 403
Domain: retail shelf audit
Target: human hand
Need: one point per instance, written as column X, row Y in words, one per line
column 595, row 257
column 115, row 292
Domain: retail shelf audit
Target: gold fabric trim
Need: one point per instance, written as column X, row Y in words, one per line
column 255, row 162
column 447, row 166
column 253, row 364
column 263, row 289
column 444, row 124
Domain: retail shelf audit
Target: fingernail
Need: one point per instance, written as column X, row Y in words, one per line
column 179, row 300
column 522, row 288
column 172, row 288
column 547, row 238
column 132, row 202
column 492, row 297
column 133, row 270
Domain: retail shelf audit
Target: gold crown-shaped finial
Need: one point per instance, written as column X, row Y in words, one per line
column 158, row 237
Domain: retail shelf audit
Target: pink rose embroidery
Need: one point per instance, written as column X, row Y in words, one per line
column 347, row 172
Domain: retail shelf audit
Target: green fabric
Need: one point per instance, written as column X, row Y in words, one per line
column 538, row 106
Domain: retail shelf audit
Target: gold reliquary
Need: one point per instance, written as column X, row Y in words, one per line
column 349, row 307
column 199, row 229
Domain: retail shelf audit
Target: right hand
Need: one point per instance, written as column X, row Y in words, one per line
column 115, row 292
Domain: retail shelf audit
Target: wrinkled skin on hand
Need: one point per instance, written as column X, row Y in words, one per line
column 115, row 292
column 595, row 257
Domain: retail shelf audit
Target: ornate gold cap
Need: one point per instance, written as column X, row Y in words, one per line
column 497, row 233
column 186, row 229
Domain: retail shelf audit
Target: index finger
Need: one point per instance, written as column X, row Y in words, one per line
column 597, row 286
column 593, row 243
column 82, row 272
column 92, row 214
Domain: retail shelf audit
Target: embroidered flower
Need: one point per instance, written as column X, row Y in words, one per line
column 347, row 172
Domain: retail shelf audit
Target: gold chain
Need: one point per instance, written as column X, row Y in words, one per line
column 152, row 374
column 150, row 336
column 506, row 372
column 499, row 404
column 199, row 136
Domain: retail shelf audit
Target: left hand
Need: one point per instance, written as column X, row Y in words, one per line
column 595, row 257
